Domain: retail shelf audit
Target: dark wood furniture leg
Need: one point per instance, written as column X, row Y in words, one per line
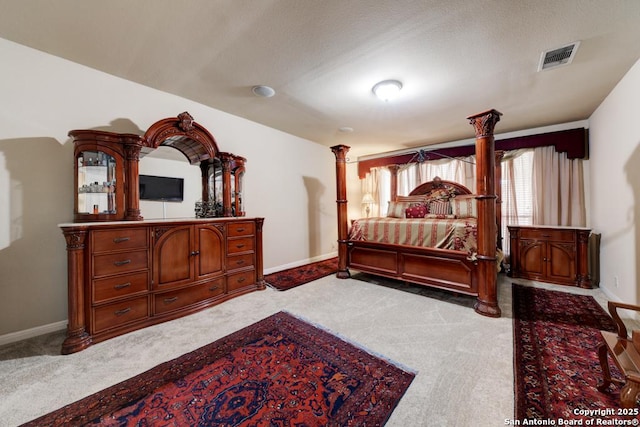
column 625, row 352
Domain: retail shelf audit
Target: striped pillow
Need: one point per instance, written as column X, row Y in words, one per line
column 397, row 209
column 439, row 207
column 465, row 206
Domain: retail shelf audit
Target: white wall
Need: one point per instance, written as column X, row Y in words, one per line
column 615, row 185
column 289, row 181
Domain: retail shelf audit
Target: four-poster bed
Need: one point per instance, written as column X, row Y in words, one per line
column 463, row 270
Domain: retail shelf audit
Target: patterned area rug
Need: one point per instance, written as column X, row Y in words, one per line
column 280, row 371
column 556, row 368
column 292, row 277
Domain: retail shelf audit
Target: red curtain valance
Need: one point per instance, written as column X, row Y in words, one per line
column 574, row 142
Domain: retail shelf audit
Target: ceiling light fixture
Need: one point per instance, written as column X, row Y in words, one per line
column 263, row 91
column 387, row 89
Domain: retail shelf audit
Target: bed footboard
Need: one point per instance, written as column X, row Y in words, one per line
column 436, row 268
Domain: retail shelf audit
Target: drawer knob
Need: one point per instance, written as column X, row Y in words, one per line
column 214, row 288
column 546, row 235
column 240, row 280
column 120, row 263
column 122, row 285
column 120, row 239
column 240, row 246
column 170, row 300
column 240, row 230
column 123, row 311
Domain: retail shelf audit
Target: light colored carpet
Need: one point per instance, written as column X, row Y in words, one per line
column 464, row 361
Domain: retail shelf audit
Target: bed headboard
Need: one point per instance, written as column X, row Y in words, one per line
column 426, row 187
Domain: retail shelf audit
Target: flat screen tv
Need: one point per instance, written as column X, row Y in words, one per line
column 161, row 188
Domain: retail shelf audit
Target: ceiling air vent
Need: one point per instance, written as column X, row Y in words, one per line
column 558, row 57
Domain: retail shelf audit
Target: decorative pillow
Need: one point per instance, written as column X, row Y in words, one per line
column 436, row 216
column 443, row 193
column 416, row 211
column 439, row 207
column 464, row 206
column 396, row 209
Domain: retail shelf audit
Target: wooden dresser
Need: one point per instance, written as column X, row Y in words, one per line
column 551, row 254
column 126, row 275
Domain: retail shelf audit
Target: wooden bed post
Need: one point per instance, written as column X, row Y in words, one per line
column 394, row 181
column 484, row 124
column 340, row 152
column 498, row 184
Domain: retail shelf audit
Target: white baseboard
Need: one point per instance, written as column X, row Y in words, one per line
column 33, row 332
column 299, row 263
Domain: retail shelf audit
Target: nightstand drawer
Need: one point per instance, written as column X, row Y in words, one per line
column 240, row 245
column 548, row 234
column 121, row 239
column 241, row 229
column 119, row 286
column 108, row 264
column 119, row 313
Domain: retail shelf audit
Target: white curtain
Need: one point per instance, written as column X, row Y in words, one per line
column 558, row 189
column 377, row 184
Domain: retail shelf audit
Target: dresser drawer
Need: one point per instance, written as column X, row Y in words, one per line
column 240, row 245
column 104, row 265
column 550, row 234
column 241, row 280
column 121, row 239
column 174, row 300
column 239, row 261
column 119, row 313
column 119, row 286
column 241, row 229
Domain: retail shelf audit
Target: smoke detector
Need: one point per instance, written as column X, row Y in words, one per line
column 558, row 57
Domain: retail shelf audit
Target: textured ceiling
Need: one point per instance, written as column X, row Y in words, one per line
column 454, row 57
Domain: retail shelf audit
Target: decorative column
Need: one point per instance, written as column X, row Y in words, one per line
column 259, row 260
column 498, row 186
column 77, row 337
column 226, row 159
column 340, row 152
column 132, row 149
column 582, row 274
column 484, row 125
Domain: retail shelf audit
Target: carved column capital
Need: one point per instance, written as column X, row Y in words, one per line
column 340, row 151
column 484, row 123
column 132, row 150
column 75, row 237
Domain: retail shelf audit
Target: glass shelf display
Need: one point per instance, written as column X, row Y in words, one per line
column 96, row 183
column 99, row 167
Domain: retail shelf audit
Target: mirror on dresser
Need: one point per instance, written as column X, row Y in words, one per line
column 168, row 164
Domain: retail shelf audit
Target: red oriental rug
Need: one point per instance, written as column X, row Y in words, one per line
column 292, row 277
column 556, row 367
column 280, row 371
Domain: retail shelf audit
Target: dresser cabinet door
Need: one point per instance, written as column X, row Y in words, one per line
column 561, row 262
column 173, row 257
column 210, row 251
column 532, row 257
